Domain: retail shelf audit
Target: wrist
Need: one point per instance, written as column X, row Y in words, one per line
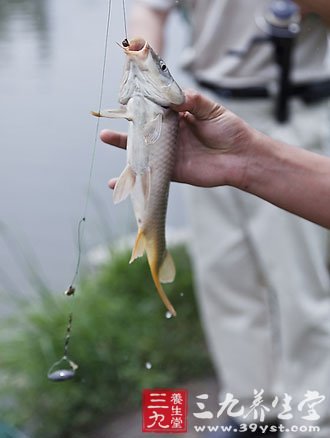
column 265, row 160
column 242, row 160
column 256, row 161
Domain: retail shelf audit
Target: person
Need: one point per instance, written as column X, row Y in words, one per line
column 217, row 148
column 261, row 273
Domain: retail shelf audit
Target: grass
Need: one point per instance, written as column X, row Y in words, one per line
column 119, row 325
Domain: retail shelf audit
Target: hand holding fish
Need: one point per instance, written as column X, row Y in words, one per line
column 210, row 147
column 215, row 147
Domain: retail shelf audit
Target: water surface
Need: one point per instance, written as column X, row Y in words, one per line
column 51, row 55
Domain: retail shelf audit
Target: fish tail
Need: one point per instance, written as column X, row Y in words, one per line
column 160, row 290
column 164, row 273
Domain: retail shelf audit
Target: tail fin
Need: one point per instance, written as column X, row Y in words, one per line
column 164, row 273
column 160, row 290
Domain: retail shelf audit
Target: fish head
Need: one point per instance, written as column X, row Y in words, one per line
column 147, row 74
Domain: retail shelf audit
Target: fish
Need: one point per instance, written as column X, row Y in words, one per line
column 146, row 94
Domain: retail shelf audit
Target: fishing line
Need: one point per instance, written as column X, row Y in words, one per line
column 125, row 20
column 66, row 373
column 91, row 170
column 59, row 375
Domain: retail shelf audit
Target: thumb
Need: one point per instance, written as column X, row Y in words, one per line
column 112, row 183
column 200, row 106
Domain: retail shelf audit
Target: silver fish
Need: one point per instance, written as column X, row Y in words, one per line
column 146, row 93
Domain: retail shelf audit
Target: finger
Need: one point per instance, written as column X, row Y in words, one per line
column 112, row 183
column 115, row 138
column 200, row 106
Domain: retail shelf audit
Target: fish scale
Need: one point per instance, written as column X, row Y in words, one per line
column 147, row 91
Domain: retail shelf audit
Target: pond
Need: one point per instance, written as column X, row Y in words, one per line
column 51, row 55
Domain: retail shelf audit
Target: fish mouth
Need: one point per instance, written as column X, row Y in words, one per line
column 137, row 46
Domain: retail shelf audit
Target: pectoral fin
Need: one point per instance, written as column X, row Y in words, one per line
column 167, row 269
column 153, row 129
column 124, row 185
column 120, row 113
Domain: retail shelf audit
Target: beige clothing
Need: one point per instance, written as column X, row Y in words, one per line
column 220, row 26
column 262, row 274
column 263, row 281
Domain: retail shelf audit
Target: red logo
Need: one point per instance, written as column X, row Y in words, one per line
column 164, row 410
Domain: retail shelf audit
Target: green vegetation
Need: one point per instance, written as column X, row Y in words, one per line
column 119, row 325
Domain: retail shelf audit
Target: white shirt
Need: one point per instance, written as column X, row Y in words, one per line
column 221, row 27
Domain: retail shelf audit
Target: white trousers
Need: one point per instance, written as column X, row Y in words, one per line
column 263, row 284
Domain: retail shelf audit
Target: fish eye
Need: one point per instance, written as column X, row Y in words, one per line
column 163, row 65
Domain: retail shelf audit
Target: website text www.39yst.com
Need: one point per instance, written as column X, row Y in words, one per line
column 253, row 427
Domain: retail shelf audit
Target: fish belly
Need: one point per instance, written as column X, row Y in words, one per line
column 153, row 166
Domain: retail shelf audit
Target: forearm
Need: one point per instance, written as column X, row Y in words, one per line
column 217, row 148
column 319, row 7
column 149, row 24
column 291, row 178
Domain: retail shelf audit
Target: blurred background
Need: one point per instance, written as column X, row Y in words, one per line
column 51, row 56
